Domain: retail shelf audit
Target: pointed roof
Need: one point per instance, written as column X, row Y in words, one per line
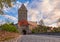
column 22, row 7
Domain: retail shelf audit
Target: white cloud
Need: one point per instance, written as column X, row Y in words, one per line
column 26, row 3
column 33, row 14
column 53, row 25
column 11, row 18
column 2, row 22
column 48, row 9
column 58, row 24
column 16, row 6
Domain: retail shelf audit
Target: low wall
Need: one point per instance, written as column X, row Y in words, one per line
column 47, row 33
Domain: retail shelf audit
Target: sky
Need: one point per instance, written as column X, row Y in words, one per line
column 48, row 10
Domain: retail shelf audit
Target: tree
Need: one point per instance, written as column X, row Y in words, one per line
column 5, row 3
column 40, row 29
column 41, row 22
column 8, row 27
column 58, row 22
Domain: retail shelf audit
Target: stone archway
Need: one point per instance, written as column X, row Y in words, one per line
column 24, row 32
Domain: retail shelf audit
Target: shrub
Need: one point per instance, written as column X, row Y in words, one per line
column 40, row 29
column 9, row 27
column 56, row 29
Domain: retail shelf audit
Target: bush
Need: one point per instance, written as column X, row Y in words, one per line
column 9, row 27
column 40, row 29
column 56, row 29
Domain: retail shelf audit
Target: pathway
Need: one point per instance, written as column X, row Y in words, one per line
column 36, row 38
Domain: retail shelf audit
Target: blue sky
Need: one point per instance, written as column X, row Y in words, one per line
column 23, row 1
column 48, row 10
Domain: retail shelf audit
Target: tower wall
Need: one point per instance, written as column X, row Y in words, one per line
column 22, row 15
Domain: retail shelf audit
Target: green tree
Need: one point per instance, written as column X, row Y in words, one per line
column 6, row 3
column 40, row 29
column 9, row 28
column 58, row 29
column 55, row 30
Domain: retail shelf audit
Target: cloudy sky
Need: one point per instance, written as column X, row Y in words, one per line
column 48, row 10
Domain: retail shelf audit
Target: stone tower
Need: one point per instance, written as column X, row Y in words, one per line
column 22, row 19
column 22, row 13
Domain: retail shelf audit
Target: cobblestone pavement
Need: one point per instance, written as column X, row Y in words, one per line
column 37, row 38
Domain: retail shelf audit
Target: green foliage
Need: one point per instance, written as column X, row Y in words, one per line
column 39, row 29
column 8, row 27
column 56, row 30
column 42, row 29
column 6, row 2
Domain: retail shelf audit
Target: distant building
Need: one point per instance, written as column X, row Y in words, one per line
column 32, row 25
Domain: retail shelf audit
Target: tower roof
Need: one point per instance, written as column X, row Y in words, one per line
column 22, row 7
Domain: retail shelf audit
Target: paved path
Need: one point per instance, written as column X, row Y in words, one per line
column 38, row 38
